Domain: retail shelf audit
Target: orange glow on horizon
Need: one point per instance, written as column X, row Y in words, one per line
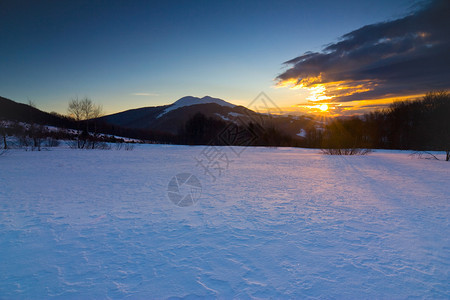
column 335, row 109
column 323, row 107
column 321, row 90
column 329, row 97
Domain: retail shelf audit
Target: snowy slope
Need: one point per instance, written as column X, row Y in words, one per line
column 279, row 223
column 189, row 100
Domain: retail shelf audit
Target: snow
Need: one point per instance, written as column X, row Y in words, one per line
column 69, row 131
column 189, row 100
column 222, row 117
column 302, row 133
column 278, row 223
column 235, row 114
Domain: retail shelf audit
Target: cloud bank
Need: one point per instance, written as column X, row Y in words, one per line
column 406, row 56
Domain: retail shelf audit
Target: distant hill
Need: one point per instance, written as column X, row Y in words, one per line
column 13, row 111
column 170, row 118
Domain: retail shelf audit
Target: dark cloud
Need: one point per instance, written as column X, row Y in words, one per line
column 405, row 56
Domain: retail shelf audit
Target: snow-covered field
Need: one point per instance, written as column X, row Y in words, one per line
column 279, row 223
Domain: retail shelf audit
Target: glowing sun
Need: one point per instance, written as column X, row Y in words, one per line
column 323, row 107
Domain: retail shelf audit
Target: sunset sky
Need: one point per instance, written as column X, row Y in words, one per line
column 302, row 54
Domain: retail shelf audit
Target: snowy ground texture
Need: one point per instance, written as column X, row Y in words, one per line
column 279, row 223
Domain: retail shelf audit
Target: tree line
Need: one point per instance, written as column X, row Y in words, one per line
column 421, row 125
column 203, row 130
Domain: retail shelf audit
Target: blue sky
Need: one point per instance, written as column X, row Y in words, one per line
column 128, row 54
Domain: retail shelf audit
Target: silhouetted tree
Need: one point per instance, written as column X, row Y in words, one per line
column 201, row 130
column 82, row 111
column 436, row 115
column 36, row 131
column 4, row 134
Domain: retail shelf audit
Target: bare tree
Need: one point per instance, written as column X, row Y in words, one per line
column 4, row 133
column 37, row 133
column 437, row 106
column 96, row 111
column 75, row 111
column 84, row 110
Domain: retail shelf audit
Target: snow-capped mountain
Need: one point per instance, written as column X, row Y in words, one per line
column 170, row 118
column 190, row 100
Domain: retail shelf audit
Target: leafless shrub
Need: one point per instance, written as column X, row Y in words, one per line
column 118, row 146
column 51, row 142
column 3, row 132
column 346, row 151
column 338, row 139
column 98, row 145
column 4, row 147
column 125, row 146
column 37, row 134
column 423, row 155
column 129, row 147
column 72, row 144
column 24, row 141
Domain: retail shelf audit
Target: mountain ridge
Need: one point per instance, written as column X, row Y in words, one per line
column 15, row 111
column 191, row 100
column 171, row 118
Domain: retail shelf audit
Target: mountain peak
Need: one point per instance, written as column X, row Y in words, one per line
column 191, row 100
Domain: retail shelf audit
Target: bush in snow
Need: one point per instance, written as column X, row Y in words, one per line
column 346, row 151
column 339, row 139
